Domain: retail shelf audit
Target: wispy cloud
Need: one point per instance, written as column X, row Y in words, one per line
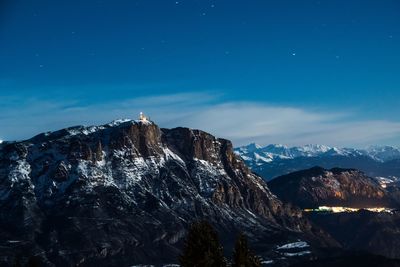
column 242, row 122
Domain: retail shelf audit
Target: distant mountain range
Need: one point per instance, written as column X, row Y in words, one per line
column 275, row 160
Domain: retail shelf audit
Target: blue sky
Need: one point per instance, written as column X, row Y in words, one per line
column 292, row 72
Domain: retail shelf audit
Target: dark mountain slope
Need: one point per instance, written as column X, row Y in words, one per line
column 351, row 259
column 377, row 233
column 336, row 187
column 281, row 167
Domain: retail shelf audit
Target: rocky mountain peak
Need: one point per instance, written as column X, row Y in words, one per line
column 119, row 191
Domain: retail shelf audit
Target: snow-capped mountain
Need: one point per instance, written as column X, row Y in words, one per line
column 256, row 155
column 125, row 193
column 383, row 153
column 274, row 160
column 379, row 153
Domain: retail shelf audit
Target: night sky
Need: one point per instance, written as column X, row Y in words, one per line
column 293, row 72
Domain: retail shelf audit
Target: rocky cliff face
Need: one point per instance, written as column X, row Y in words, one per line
column 336, row 187
column 125, row 193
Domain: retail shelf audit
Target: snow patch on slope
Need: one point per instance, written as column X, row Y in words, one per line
column 297, row 254
column 20, row 171
column 298, row 244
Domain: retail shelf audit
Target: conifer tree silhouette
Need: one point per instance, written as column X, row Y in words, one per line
column 202, row 247
column 242, row 256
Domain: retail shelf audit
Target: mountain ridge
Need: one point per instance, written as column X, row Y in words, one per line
column 376, row 152
column 336, row 187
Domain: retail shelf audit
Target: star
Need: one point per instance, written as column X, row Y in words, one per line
column 40, row 66
column 176, row 3
column 293, row 54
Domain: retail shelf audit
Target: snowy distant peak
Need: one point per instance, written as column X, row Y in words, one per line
column 306, row 150
column 273, row 151
column 268, row 153
column 249, row 148
column 334, row 151
column 314, row 148
column 276, row 146
column 384, row 153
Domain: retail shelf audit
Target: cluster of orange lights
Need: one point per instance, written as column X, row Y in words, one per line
column 347, row 209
